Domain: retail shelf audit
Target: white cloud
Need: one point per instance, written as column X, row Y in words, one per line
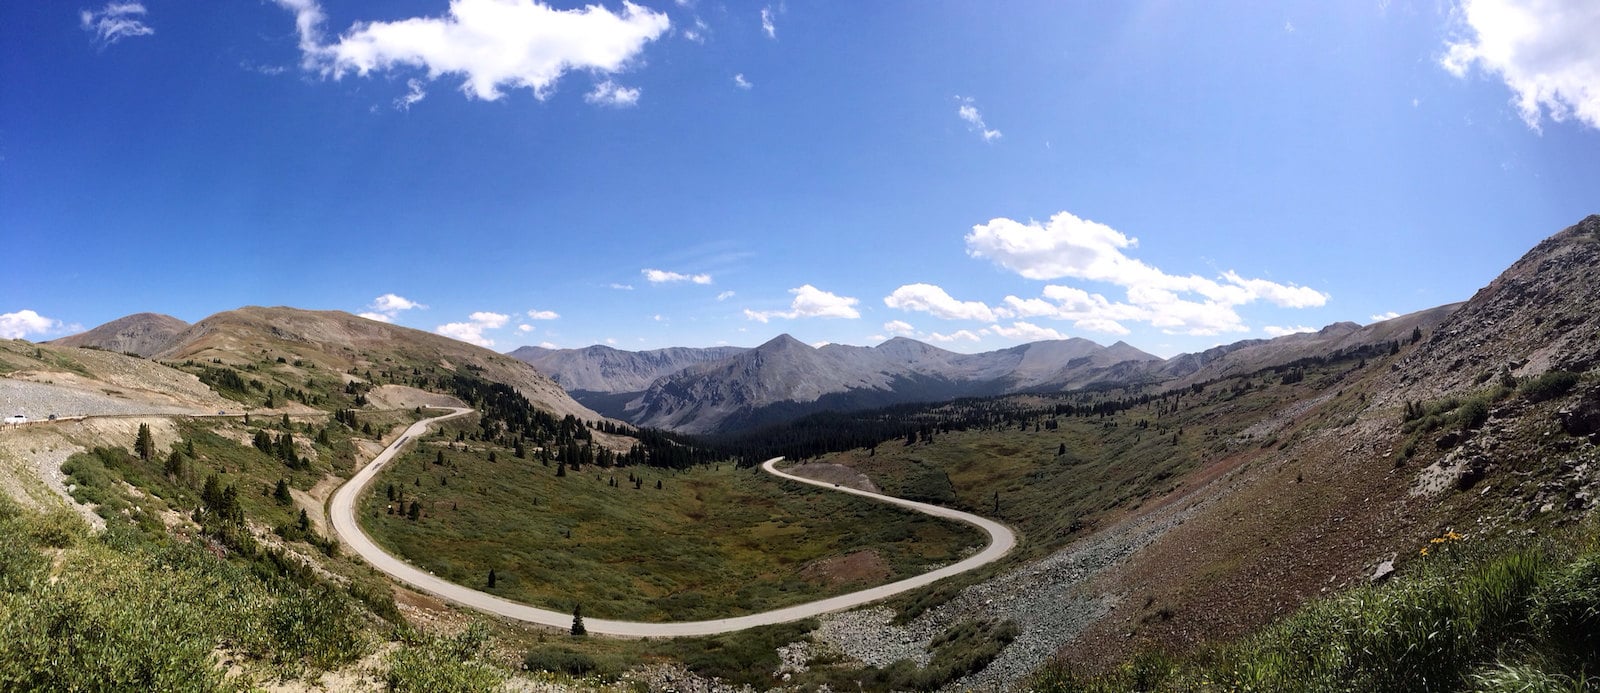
column 387, row 307
column 611, row 340
column 655, row 276
column 414, row 94
column 932, row 299
column 740, row 82
column 1068, row 246
column 621, row 287
column 967, row 111
column 1025, row 331
column 819, row 345
column 899, row 327
column 658, row 318
column 524, row 328
column 472, row 331
column 548, row 345
column 1276, row 331
column 1385, row 316
column 962, row 335
column 23, row 323
column 542, row 315
column 115, row 21
column 767, row 26
column 609, row 93
column 811, row 302
column 1544, row 50
column 698, row 32
column 489, row 44
column 725, row 295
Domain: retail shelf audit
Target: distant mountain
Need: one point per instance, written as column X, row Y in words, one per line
column 602, row 369
column 332, row 340
column 145, row 334
column 785, row 379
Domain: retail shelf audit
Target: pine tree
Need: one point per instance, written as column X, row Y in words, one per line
column 491, row 578
column 281, row 493
column 577, row 622
column 174, row 466
column 1061, row 450
column 146, row 444
column 561, row 469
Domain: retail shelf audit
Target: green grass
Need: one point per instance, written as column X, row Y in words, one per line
column 711, row 542
column 1520, row 617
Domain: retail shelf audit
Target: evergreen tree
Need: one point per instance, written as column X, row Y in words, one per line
column 561, row 469
column 146, row 444
column 577, row 622
column 658, row 484
column 174, row 467
column 415, row 511
column 281, row 493
column 1061, row 450
column 491, row 578
column 304, row 521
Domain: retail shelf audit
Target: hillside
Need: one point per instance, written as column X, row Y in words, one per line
column 602, row 369
column 336, row 343
column 145, row 334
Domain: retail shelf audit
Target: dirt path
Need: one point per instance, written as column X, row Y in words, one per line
column 342, row 509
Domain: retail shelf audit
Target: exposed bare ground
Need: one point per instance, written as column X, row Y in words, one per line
column 840, row 474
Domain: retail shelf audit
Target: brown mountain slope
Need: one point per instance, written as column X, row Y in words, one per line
column 340, row 341
column 144, row 334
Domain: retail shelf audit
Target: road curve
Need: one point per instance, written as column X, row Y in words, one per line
column 342, row 514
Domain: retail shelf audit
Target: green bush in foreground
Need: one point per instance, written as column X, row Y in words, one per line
column 444, row 664
column 1526, row 618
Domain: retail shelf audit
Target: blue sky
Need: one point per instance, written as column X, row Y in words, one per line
column 976, row 175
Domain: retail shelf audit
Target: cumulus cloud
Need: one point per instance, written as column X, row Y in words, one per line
column 928, row 298
column 1385, row 316
column 655, row 276
column 899, row 327
column 1276, row 331
column 1070, row 247
column 609, row 93
column 742, row 83
column 811, row 302
column 491, row 45
column 548, row 345
column 524, row 328
column 768, row 26
column 1025, row 332
column 114, row 22
column 387, row 307
column 543, row 315
column 958, row 336
column 1544, row 50
column 968, row 111
column 25, row 323
column 471, row 331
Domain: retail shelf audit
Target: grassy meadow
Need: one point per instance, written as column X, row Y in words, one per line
column 709, row 542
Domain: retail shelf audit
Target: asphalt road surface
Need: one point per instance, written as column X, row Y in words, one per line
column 342, row 514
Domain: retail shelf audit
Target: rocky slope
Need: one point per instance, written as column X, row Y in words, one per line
column 1540, row 314
column 145, row 334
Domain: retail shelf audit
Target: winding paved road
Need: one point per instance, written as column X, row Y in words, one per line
column 342, row 514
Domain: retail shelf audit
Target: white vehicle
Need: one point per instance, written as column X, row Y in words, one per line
column 18, row 419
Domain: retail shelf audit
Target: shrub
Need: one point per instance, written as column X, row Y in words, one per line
column 1566, row 612
column 1550, row 385
column 559, row 660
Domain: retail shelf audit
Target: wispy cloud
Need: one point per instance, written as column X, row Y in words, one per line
column 742, row 83
column 472, row 330
column 491, row 45
column 655, row 276
column 620, row 287
column 1544, row 50
column 725, row 295
column 810, row 302
column 1385, row 316
column 414, row 94
column 768, row 26
column 387, row 307
column 114, row 22
column 1277, row 331
column 28, row 323
column 968, row 111
column 543, row 315
column 609, row 93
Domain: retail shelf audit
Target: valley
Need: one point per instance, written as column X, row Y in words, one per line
column 1227, row 518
